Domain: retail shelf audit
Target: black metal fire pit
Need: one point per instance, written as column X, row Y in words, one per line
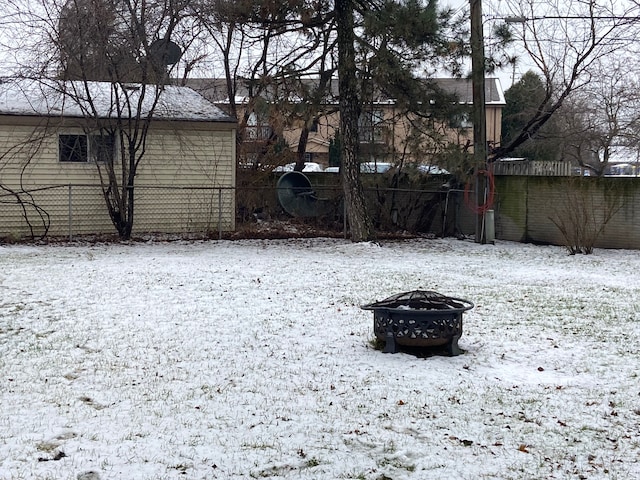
column 419, row 318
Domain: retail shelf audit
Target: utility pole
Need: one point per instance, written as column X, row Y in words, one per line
column 479, row 114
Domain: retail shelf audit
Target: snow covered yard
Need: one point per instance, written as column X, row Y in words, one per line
column 252, row 359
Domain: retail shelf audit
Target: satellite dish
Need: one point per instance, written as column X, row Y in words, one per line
column 297, row 197
column 165, row 52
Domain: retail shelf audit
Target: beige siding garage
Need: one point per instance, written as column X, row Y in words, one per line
column 184, row 184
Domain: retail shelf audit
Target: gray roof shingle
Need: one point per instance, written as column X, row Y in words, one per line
column 215, row 89
column 52, row 98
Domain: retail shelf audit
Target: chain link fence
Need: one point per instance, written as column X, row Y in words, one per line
column 524, row 210
column 72, row 211
column 431, row 211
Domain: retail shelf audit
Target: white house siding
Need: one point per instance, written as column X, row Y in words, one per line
column 178, row 155
column 187, row 182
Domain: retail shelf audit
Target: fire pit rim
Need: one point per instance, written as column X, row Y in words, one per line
column 380, row 305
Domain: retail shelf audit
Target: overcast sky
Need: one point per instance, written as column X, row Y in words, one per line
column 494, row 9
column 557, row 23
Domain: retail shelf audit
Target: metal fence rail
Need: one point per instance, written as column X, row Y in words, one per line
column 78, row 210
column 438, row 212
column 523, row 209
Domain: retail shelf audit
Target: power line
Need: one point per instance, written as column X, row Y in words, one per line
column 523, row 19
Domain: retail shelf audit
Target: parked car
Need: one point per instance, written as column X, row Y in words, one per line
column 366, row 167
column 432, row 170
column 308, row 167
column 375, row 167
column 382, row 167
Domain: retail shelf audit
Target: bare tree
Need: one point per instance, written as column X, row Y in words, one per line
column 258, row 46
column 129, row 45
column 307, row 93
column 94, row 42
column 583, row 210
column 388, row 44
column 603, row 117
column 564, row 41
column 16, row 195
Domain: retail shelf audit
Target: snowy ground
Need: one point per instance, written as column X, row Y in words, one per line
column 252, row 359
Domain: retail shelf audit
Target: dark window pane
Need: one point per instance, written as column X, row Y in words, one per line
column 102, row 148
column 72, row 148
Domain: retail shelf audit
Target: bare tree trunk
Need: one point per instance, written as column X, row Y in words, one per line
column 128, row 223
column 302, row 149
column 357, row 214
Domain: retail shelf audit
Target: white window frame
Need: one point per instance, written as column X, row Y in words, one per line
column 256, row 128
column 88, row 143
column 370, row 126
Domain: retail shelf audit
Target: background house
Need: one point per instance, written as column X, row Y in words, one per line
column 385, row 129
column 51, row 180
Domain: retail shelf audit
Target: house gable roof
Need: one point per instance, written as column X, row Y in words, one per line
column 53, row 98
column 463, row 89
column 215, row 89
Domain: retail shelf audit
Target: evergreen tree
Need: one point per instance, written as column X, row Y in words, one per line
column 380, row 49
column 522, row 102
column 397, row 37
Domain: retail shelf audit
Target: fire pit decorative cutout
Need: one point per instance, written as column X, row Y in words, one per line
column 419, row 318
